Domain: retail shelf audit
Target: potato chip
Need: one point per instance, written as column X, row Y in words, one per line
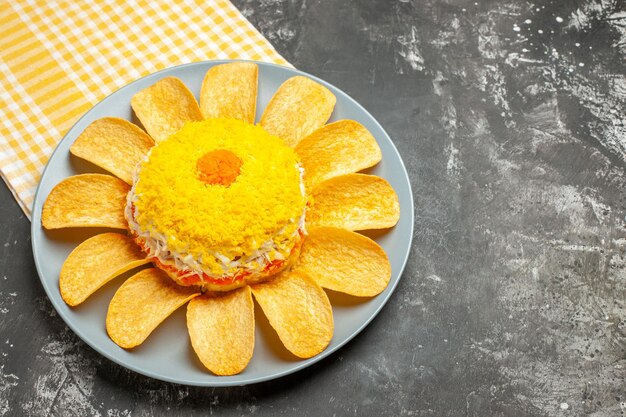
column 114, row 144
column 338, row 148
column 298, row 108
column 344, row 261
column 221, row 329
column 229, row 91
column 299, row 310
column 142, row 303
column 354, row 202
column 163, row 108
column 87, row 200
column 95, row 262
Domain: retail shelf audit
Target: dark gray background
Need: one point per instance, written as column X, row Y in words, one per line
column 510, row 119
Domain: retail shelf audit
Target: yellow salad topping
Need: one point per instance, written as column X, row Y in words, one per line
column 220, row 186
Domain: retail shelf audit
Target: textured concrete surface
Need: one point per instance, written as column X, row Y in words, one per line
column 510, row 118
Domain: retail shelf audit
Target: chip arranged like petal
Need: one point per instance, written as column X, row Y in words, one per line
column 164, row 107
column 338, row 148
column 354, row 202
column 114, row 144
column 299, row 310
column 141, row 304
column 221, row 329
column 229, row 91
column 86, row 200
column 299, row 106
column 344, row 261
column 95, row 262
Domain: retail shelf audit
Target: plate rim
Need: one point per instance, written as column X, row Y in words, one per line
column 211, row 382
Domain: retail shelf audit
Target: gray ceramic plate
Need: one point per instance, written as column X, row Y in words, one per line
column 167, row 353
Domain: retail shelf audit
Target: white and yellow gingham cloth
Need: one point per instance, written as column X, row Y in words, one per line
column 59, row 58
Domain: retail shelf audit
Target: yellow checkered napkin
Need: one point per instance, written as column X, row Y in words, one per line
column 59, row 58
